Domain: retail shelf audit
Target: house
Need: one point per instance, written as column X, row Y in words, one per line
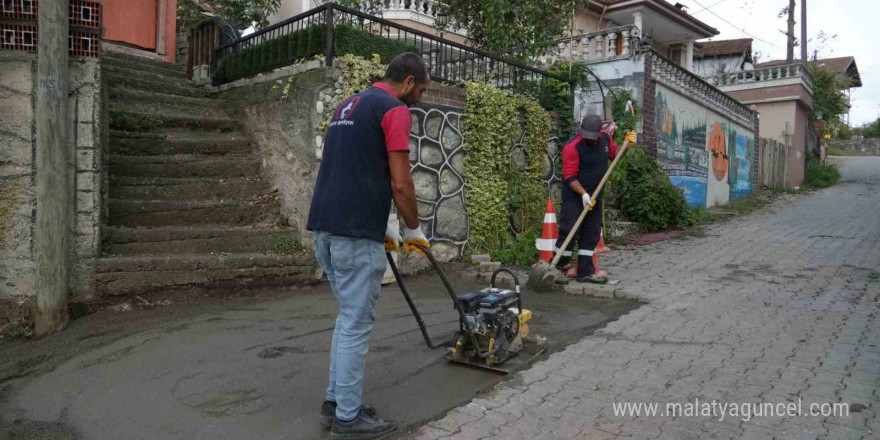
column 671, row 30
column 723, row 56
column 145, row 27
column 844, row 67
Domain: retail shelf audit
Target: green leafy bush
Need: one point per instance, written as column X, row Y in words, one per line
column 305, row 44
column 649, row 198
column 821, row 176
column 554, row 95
column 494, row 187
column 518, row 251
column 354, row 41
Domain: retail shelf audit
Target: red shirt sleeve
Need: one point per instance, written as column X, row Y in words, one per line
column 396, row 124
column 570, row 160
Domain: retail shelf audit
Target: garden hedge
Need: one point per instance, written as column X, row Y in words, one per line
column 304, row 44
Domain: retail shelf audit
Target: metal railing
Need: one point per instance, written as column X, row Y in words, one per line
column 764, row 74
column 354, row 32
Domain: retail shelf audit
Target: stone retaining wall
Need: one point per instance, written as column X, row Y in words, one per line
column 88, row 132
column 291, row 145
column 861, row 147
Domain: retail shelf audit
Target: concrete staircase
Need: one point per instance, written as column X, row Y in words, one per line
column 188, row 208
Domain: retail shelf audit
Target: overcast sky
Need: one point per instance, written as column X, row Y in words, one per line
column 850, row 20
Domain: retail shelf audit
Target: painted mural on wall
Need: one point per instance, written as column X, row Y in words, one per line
column 437, row 158
column 741, row 162
column 680, row 126
column 718, row 147
column 705, row 155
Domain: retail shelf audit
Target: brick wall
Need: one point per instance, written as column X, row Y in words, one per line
column 755, row 162
column 647, row 138
column 442, row 94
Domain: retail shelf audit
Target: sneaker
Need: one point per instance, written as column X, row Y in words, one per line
column 363, row 427
column 328, row 412
column 595, row 279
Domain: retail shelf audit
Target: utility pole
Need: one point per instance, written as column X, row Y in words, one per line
column 52, row 234
column 804, row 32
column 789, row 54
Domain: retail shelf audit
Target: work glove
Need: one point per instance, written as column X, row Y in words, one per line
column 632, row 137
column 392, row 238
column 587, row 200
column 413, row 237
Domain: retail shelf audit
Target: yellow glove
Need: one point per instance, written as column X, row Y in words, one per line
column 632, row 137
column 392, row 238
column 412, row 238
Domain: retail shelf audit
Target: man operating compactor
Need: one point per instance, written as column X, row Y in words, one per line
column 364, row 166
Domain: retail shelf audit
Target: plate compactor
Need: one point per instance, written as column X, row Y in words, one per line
column 493, row 326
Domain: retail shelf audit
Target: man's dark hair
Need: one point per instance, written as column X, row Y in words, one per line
column 404, row 65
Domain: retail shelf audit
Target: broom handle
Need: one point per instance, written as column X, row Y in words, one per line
column 577, row 224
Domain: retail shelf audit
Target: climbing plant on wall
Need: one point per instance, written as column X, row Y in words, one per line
column 494, row 185
column 358, row 74
column 526, row 191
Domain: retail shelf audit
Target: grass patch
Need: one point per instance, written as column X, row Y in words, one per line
column 287, row 246
column 833, row 151
column 746, row 205
column 821, row 176
column 18, row 330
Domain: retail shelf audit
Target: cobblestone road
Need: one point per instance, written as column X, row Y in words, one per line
column 779, row 306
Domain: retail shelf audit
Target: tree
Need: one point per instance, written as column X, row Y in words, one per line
column 239, row 13
column 529, row 28
column 829, row 103
column 871, row 130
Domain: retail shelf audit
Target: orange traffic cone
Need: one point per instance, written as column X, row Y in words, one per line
column 549, row 234
column 601, row 248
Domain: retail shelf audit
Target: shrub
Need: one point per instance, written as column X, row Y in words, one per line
column 304, row 44
column 649, row 198
column 821, row 176
column 518, row 252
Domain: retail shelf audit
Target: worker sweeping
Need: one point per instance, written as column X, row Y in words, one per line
column 584, row 163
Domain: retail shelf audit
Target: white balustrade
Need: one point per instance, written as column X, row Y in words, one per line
column 765, row 74
column 603, row 45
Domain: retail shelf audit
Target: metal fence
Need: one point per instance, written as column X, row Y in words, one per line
column 354, row 32
column 773, row 158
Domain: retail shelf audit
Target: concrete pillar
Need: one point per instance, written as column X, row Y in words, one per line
column 637, row 20
column 689, row 56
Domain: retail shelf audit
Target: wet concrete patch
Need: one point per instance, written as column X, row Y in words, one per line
column 195, row 376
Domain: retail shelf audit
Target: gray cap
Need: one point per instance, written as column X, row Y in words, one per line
column 590, row 127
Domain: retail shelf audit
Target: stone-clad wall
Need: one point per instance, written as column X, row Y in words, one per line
column 437, row 153
column 18, row 171
column 292, row 147
column 437, row 158
column 862, row 147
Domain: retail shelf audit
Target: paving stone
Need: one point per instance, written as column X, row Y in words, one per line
column 770, row 308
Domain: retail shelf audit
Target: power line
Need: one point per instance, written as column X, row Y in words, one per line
column 710, row 6
column 735, row 26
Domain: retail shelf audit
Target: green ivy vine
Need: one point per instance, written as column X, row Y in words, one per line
column 494, row 186
column 358, row 74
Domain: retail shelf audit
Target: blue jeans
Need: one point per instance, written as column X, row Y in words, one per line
column 355, row 267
